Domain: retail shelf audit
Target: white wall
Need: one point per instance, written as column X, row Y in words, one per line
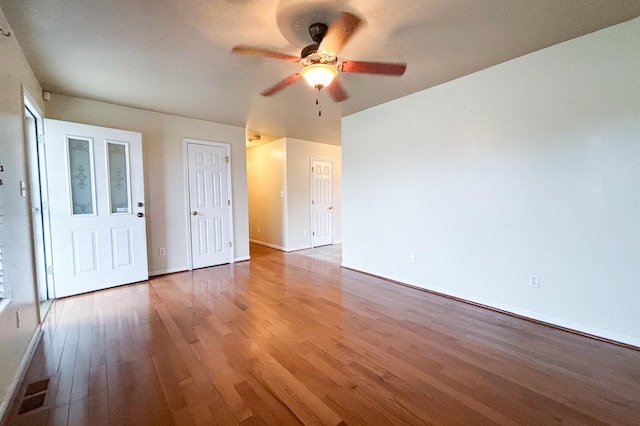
column 17, row 254
column 162, row 141
column 283, row 166
column 299, row 154
column 529, row 167
column 266, row 176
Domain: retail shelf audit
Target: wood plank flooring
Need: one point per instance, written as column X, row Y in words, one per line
column 290, row 338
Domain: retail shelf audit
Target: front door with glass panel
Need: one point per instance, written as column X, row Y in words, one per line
column 96, row 190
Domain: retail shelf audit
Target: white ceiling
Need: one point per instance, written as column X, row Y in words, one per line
column 174, row 56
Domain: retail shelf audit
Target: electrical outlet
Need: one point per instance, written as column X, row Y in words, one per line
column 162, row 251
column 363, row 248
column 259, row 230
column 534, row 281
column 412, row 258
column 305, row 233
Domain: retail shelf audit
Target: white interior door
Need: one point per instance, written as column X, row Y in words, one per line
column 96, row 190
column 209, row 204
column 321, row 202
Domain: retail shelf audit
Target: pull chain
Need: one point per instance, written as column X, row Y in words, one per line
column 318, row 103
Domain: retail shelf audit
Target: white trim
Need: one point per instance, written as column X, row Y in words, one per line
column 299, row 248
column 14, row 386
column 168, row 271
column 243, row 258
column 273, row 246
column 571, row 325
column 43, row 186
column 185, row 181
column 4, row 303
column 185, row 162
column 337, row 242
column 262, row 243
column 285, row 200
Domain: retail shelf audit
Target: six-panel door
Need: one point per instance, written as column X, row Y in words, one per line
column 209, row 204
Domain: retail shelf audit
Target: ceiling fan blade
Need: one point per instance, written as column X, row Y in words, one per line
column 385, row 68
column 256, row 51
column 336, row 91
column 284, row 83
column 339, row 34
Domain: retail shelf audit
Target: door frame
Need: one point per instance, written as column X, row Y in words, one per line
column 41, row 186
column 185, row 161
column 311, row 223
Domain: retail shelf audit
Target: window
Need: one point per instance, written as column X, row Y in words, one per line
column 118, row 169
column 81, row 175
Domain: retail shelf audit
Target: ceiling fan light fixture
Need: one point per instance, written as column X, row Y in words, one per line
column 319, row 75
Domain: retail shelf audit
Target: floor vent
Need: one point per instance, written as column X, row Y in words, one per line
column 34, row 396
column 37, row 387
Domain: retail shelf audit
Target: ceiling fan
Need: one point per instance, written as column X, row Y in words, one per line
column 320, row 59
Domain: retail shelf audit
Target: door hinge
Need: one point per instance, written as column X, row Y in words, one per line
column 313, row 234
column 228, row 202
column 313, row 169
column 41, row 139
column 230, row 245
column 226, row 160
column 313, row 202
column 50, row 270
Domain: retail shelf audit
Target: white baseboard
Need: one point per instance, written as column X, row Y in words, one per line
column 273, row 246
column 168, row 271
column 242, row 259
column 298, row 248
column 12, row 391
column 560, row 322
column 262, row 243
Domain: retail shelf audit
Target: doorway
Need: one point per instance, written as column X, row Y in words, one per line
column 39, row 200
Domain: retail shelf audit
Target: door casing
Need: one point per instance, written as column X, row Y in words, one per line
column 313, row 163
column 38, row 184
column 185, row 157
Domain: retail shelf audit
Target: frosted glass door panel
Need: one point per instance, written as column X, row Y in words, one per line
column 119, row 192
column 81, row 176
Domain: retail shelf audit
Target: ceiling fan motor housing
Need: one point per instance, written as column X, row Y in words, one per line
column 310, row 53
column 317, row 32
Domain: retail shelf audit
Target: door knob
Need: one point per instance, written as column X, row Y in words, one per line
column 140, row 214
column 140, row 204
column 195, row 213
column 331, row 208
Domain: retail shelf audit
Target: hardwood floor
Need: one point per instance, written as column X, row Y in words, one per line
column 289, row 338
